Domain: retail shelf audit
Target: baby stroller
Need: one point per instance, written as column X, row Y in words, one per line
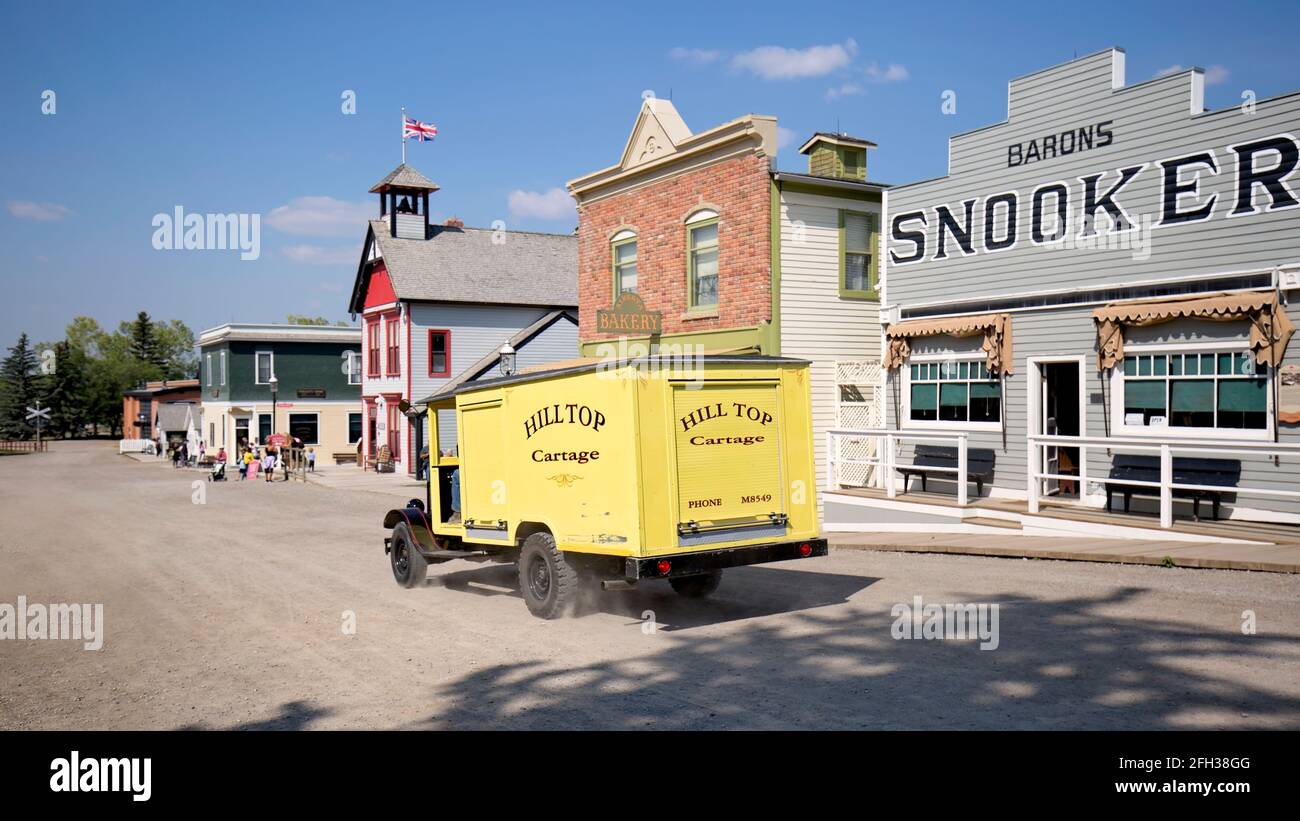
column 218, row 472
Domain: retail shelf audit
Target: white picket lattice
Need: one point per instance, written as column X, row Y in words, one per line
column 857, row 407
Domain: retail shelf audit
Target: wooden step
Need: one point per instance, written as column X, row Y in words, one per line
column 985, row 521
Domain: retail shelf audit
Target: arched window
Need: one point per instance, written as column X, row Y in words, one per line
column 623, row 251
column 702, row 260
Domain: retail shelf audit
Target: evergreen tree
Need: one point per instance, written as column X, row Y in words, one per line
column 144, row 341
column 68, row 391
column 17, row 389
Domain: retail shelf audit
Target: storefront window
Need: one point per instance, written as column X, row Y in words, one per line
column 954, row 391
column 1209, row 390
column 354, row 428
column 305, row 427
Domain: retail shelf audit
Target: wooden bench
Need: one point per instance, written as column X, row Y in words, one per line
column 1132, row 467
column 344, row 457
column 979, row 465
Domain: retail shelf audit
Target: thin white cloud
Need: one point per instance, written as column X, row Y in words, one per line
column 892, row 73
column 1216, row 75
column 548, row 205
column 39, row 211
column 780, row 63
column 845, row 90
column 322, row 217
column 696, row 56
column 322, row 254
column 785, row 137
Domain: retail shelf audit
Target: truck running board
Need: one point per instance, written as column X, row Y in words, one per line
column 450, row 555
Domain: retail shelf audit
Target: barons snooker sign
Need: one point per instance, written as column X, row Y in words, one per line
column 629, row 316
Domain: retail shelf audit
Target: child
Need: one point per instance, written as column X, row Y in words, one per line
column 311, row 460
column 244, row 459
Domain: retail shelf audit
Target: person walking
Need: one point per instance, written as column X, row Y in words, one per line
column 268, row 465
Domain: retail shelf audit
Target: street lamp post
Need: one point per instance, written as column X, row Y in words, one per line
column 275, row 389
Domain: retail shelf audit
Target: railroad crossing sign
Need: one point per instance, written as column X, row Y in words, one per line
column 39, row 414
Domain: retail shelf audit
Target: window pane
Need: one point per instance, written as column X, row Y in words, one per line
column 1207, row 364
column 625, row 253
column 1225, row 363
column 916, row 369
column 857, row 272
column 952, row 402
column 354, row 428
column 1130, row 366
column 1144, row 397
column 857, row 233
column 985, row 402
column 1243, row 403
column 1158, row 366
column 705, row 236
column 1176, row 365
column 1191, row 403
column 963, row 370
column 925, row 399
column 1144, row 366
column 706, row 278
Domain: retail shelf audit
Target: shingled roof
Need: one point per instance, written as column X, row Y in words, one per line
column 404, row 176
column 465, row 265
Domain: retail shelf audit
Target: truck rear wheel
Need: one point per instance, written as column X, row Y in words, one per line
column 409, row 567
column 548, row 580
column 697, row 587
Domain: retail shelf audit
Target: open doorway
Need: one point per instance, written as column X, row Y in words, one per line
column 1059, row 413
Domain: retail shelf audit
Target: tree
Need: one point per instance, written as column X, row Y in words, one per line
column 176, row 350
column 302, row 319
column 144, row 340
column 18, row 384
column 68, row 392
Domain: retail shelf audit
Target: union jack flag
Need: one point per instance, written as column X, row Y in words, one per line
column 417, row 130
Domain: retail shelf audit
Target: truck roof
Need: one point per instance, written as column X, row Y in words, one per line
column 578, row 366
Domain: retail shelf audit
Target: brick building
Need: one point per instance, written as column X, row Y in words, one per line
column 730, row 254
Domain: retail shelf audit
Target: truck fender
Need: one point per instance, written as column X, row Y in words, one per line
column 418, row 522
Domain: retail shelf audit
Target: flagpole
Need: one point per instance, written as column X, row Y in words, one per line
column 403, row 135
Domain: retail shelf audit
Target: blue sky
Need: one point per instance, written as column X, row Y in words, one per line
column 236, row 107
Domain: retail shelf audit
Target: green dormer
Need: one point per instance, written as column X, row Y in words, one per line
column 837, row 155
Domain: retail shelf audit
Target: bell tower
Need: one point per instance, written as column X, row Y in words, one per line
column 404, row 202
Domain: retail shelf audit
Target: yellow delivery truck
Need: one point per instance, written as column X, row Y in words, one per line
column 604, row 472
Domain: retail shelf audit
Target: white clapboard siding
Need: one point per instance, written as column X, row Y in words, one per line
column 816, row 324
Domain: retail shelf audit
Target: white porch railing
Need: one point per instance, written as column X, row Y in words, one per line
column 135, row 446
column 884, row 454
column 1166, row 450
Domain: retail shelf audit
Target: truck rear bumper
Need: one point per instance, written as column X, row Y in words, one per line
column 705, row 561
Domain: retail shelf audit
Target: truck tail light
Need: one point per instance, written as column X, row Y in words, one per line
column 805, row 550
column 664, row 566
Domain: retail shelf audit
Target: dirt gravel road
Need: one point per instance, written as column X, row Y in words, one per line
column 231, row 614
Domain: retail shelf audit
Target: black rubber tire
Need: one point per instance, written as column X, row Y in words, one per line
column 409, row 567
column 697, row 587
column 547, row 579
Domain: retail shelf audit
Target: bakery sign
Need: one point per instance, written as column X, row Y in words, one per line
column 629, row 316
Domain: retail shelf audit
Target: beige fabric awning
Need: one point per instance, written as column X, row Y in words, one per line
column 1270, row 327
column 996, row 329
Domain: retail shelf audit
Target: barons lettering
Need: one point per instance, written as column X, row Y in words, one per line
column 571, row 414
column 1065, row 143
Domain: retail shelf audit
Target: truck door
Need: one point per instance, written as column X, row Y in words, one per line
column 728, row 462
column 482, row 472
